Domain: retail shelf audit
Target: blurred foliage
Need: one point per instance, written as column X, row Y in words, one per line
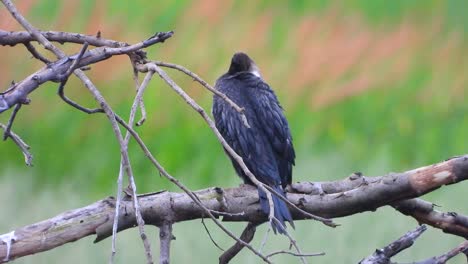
column 348, row 75
column 372, row 86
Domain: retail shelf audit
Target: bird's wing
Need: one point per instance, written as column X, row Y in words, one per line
column 249, row 142
column 275, row 126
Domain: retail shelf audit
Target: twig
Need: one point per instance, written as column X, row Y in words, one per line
column 383, row 255
column 294, row 244
column 295, row 254
column 165, row 238
column 265, row 239
column 18, row 37
column 140, row 102
column 110, row 114
column 125, row 160
column 209, row 234
column 28, row 157
column 67, row 100
column 140, row 91
column 460, row 249
column 202, row 82
column 6, row 133
column 35, row 53
column 64, row 78
column 76, row 61
column 247, row 236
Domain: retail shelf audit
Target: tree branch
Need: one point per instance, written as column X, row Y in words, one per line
column 462, row 248
column 247, row 236
column 28, row 157
column 382, row 256
column 23, row 37
column 165, row 238
column 240, row 204
column 450, row 222
column 58, row 68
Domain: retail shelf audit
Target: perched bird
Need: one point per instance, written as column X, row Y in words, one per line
column 264, row 142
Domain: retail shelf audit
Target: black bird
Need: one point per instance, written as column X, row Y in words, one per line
column 265, row 143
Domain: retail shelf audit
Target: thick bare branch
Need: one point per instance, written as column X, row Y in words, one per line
column 424, row 213
column 241, row 203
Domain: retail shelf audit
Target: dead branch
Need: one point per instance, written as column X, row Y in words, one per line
column 240, row 203
column 247, row 236
column 382, row 256
column 165, row 238
column 460, row 249
column 28, row 157
column 424, row 213
column 23, row 37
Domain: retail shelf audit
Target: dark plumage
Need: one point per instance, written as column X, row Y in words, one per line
column 266, row 146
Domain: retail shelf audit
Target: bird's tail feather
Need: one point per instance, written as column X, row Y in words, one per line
column 281, row 213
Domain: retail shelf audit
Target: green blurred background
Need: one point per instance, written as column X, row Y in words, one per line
column 371, row 86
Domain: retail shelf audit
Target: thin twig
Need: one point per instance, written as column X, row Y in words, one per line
column 67, row 100
column 28, row 157
column 64, row 77
column 139, row 94
column 295, row 254
column 126, row 162
column 140, row 103
column 265, row 239
column 6, row 133
column 247, row 236
column 294, row 244
column 35, row 53
column 209, row 234
column 76, row 62
column 460, row 249
column 202, row 82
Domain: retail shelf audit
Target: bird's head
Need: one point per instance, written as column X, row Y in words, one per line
column 240, row 62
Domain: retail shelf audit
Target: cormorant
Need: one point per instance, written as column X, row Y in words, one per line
column 265, row 142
